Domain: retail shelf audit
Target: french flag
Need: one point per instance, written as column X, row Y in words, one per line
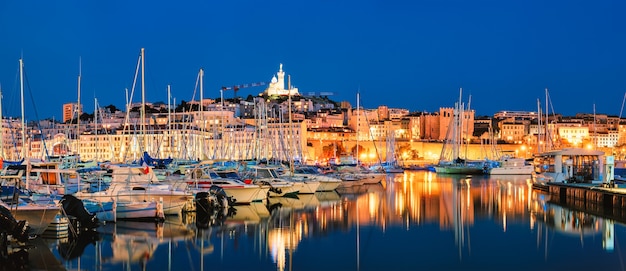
column 146, row 168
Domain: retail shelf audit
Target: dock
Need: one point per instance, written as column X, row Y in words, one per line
column 605, row 200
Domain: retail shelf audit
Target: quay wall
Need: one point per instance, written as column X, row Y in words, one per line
column 607, row 202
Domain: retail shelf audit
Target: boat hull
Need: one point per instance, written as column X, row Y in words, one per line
column 246, row 195
column 139, row 210
column 173, row 201
column 38, row 217
column 328, row 186
column 459, row 170
column 525, row 170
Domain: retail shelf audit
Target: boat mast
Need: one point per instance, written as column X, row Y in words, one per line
column 143, row 102
column 358, row 124
column 539, row 128
column 169, row 119
column 457, row 125
column 22, row 102
column 547, row 134
column 290, row 137
column 95, row 123
column 467, row 136
column 201, row 75
column 595, row 135
column 78, row 111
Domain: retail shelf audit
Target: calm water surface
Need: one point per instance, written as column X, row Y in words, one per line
column 414, row 221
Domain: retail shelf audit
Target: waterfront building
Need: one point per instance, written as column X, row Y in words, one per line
column 410, row 128
column 327, row 119
column 430, row 129
column 383, row 112
column 445, row 120
column 380, row 131
column 359, row 121
column 512, row 131
column 71, row 111
column 574, row 134
column 386, row 113
column 606, row 139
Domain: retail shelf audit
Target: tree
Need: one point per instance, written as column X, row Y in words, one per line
column 186, row 107
column 111, row 108
column 86, row 117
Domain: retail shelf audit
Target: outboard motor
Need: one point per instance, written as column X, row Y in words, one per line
column 205, row 202
column 223, row 200
column 72, row 206
column 10, row 226
column 205, row 210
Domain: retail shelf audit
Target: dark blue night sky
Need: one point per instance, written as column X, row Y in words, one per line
column 407, row 54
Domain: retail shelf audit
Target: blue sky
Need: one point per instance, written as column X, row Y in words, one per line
column 407, row 54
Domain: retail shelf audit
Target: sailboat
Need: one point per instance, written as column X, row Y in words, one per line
column 450, row 161
column 390, row 165
column 38, row 215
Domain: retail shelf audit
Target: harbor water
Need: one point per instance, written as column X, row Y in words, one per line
column 416, row 220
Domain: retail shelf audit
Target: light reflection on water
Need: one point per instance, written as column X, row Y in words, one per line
column 415, row 220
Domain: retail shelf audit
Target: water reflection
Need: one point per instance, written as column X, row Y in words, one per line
column 453, row 219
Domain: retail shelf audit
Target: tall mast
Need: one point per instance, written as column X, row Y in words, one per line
column 539, row 128
column 22, row 102
column 78, row 109
column 95, row 122
column 291, row 137
column 467, row 121
column 547, row 134
column 358, row 123
column 143, row 102
column 456, row 117
column 595, row 135
column 169, row 119
column 201, row 155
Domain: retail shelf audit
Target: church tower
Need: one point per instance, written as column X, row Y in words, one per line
column 277, row 85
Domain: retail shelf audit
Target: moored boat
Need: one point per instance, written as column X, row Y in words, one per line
column 570, row 165
column 511, row 166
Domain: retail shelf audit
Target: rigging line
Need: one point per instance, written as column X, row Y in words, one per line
column 195, row 88
column 371, row 136
column 551, row 105
column 132, row 90
column 5, row 108
column 32, row 100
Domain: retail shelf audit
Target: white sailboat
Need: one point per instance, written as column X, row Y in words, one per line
column 38, row 215
column 136, row 184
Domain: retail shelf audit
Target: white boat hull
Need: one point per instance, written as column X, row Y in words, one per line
column 245, row 195
column 140, row 210
column 173, row 201
column 38, row 217
column 308, row 187
column 523, row 170
column 328, row 186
